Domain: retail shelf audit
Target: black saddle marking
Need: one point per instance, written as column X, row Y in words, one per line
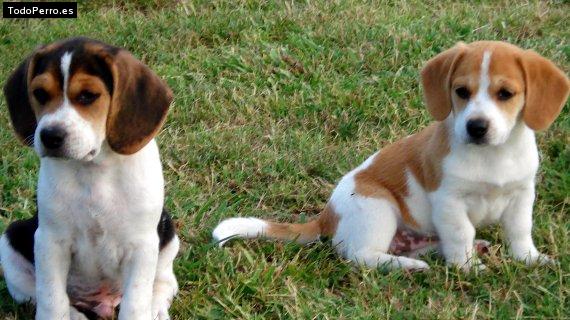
column 21, row 236
column 166, row 230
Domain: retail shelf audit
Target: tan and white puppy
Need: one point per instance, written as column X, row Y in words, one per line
column 101, row 236
column 476, row 165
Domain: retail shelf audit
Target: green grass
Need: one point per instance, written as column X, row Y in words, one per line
column 275, row 101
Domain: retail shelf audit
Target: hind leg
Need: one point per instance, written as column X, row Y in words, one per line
column 165, row 284
column 18, row 272
column 365, row 231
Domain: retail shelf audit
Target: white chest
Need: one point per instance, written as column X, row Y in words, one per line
column 487, row 179
column 486, row 203
column 101, row 208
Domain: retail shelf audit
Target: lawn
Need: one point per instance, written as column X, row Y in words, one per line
column 274, row 102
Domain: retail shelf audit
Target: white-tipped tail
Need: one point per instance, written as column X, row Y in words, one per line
column 239, row 227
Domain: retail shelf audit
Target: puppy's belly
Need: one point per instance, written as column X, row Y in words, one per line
column 406, row 241
column 94, row 280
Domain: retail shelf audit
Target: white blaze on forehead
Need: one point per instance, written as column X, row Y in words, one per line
column 484, row 80
column 65, row 65
column 482, row 106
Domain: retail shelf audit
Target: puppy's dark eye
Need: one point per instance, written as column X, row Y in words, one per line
column 463, row 93
column 41, row 95
column 504, row 94
column 87, row 97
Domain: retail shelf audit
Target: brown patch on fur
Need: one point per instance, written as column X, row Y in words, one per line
column 467, row 74
column 421, row 154
column 49, row 48
column 95, row 113
column 436, row 80
column 48, row 82
column 328, row 221
column 139, row 104
column 547, row 89
column 324, row 225
column 96, row 47
column 513, row 106
column 505, row 74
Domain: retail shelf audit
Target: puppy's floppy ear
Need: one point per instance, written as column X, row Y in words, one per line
column 18, row 100
column 547, row 89
column 139, row 103
column 436, row 80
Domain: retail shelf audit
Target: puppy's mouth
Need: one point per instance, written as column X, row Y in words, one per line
column 90, row 155
column 63, row 155
column 53, row 154
column 478, row 142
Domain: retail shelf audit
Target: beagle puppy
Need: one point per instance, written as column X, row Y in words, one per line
column 474, row 166
column 101, row 235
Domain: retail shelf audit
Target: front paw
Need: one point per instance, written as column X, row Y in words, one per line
column 160, row 314
column 132, row 314
column 473, row 265
column 537, row 259
column 160, row 309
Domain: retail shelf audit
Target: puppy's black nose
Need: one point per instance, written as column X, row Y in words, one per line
column 477, row 128
column 53, row 137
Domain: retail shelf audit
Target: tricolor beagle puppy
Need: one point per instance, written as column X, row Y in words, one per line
column 101, row 236
column 476, row 165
